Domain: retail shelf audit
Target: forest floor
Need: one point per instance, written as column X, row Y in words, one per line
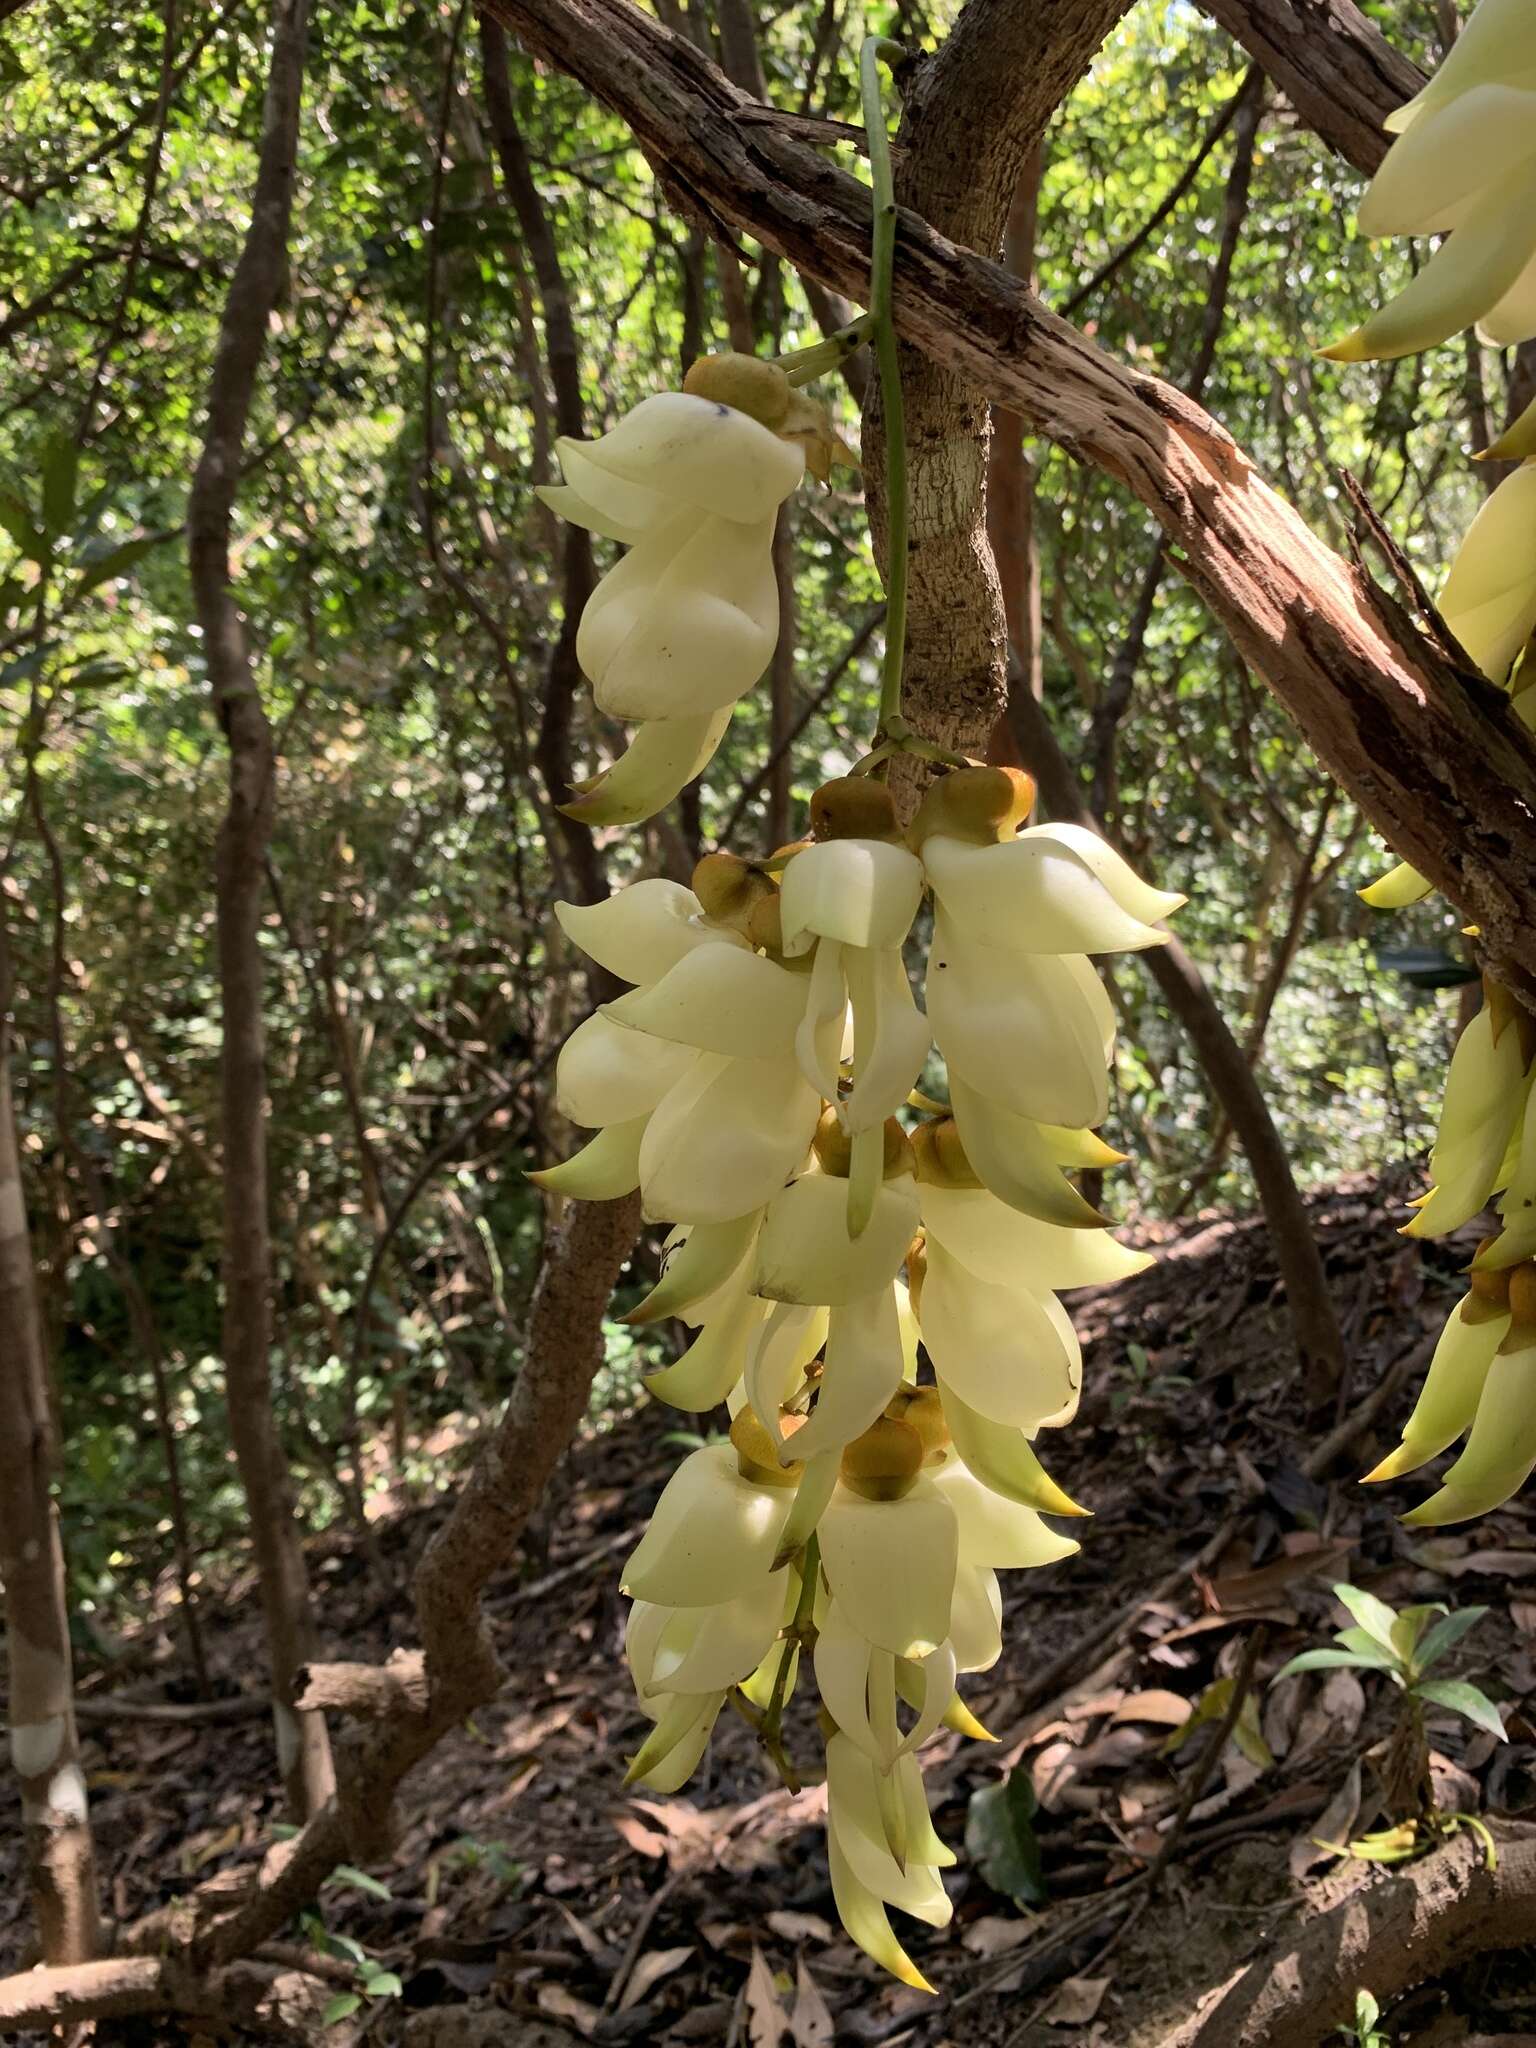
column 532, row 1902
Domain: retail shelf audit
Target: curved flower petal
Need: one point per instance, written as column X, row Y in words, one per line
column 817, row 1482
column 670, row 1754
column 1494, row 240
column 712, row 1536
column 805, row 1252
column 1495, row 45
column 601, row 1171
column 1482, row 1105
column 861, row 892
column 890, row 1036
column 1500, row 1453
column 710, row 1649
column 1017, row 1159
column 854, row 1818
column 976, row 1619
column 865, row 1921
column 684, row 625
column 704, row 1260
column 820, row 1034
column 1001, row 1245
column 1011, row 1355
column 995, row 1531
column 862, row 1371
column 607, row 1075
column 1449, row 1398
column 891, row 1566
column 699, row 452
column 713, row 1362
column 1003, row 1459
column 1037, row 893
column 781, row 1348
column 1446, row 158
column 1025, row 1037
column 640, row 932
column 727, row 1138
column 601, row 500
column 1397, row 888
column 661, row 758
column 1489, row 599
column 722, row 999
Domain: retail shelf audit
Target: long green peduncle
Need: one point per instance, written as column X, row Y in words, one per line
column 875, row 51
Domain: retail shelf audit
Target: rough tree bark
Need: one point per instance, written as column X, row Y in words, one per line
column 244, row 836
column 56, row 1830
column 1429, row 750
column 961, row 175
column 1335, row 67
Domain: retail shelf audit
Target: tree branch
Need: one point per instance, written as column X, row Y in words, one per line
column 1430, row 752
column 1335, row 67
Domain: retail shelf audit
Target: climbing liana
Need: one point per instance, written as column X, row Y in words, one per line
column 1465, row 160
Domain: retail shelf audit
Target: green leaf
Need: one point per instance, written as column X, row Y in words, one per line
column 1000, row 1839
column 1367, row 2011
column 1373, row 1615
column 1445, row 1633
column 1463, row 1699
column 1410, row 1625
column 341, row 2007
column 382, row 1984
column 61, row 462
column 360, row 1881
column 1363, row 1645
column 17, row 522
column 118, row 561
column 1329, row 1660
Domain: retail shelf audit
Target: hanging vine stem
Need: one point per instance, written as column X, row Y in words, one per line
column 875, row 51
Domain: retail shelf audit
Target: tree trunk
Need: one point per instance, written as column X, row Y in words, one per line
column 303, row 1749
column 56, row 1830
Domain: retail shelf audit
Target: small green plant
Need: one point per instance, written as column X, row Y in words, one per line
column 373, row 1979
column 1364, row 2031
column 1403, row 1647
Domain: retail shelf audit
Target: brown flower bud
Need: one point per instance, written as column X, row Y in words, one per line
column 736, row 893
column 922, row 1409
column 884, row 1462
column 746, row 383
column 834, row 1148
column 940, row 1156
column 854, row 807
column 983, row 805
column 1522, row 1307
column 756, row 1458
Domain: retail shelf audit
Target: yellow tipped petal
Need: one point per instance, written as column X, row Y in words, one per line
column 1004, row 1459
column 705, row 1260
column 664, row 754
column 964, row 1722
column 1396, row 889
column 607, row 1167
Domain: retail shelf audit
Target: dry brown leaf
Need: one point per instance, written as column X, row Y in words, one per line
column 1239, row 1591
column 643, row 1840
column 767, row 2021
column 800, row 1926
column 1077, row 2002
column 588, row 1937
column 1167, row 1709
column 1492, row 1564
column 565, row 2005
column 649, row 1971
column 810, row 2022
column 1333, row 1825
column 995, row 1934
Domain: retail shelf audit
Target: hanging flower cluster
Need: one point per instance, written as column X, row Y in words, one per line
column 1466, row 160
column 831, row 1228
column 690, row 482
column 1464, row 166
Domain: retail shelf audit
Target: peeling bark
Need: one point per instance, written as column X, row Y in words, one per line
column 1336, row 68
column 1430, row 751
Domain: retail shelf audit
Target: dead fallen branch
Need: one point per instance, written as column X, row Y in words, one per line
column 1394, row 1932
